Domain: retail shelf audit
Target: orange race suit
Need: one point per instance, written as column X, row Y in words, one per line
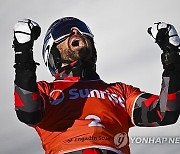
column 71, row 114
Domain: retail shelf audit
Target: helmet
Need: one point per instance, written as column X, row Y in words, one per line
column 57, row 32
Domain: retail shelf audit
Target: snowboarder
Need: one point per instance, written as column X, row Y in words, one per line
column 78, row 112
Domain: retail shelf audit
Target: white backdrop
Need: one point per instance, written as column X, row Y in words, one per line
column 126, row 53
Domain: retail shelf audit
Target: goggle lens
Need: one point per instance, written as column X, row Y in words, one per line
column 62, row 29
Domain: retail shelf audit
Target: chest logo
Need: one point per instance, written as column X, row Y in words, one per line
column 56, row 97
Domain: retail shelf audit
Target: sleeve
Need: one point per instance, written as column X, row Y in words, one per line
column 130, row 95
column 29, row 105
column 152, row 110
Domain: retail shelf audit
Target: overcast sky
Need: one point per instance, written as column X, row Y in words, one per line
column 126, row 53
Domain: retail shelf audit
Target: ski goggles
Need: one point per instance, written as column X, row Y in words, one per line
column 63, row 29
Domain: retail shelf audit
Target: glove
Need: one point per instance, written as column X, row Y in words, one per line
column 25, row 32
column 166, row 37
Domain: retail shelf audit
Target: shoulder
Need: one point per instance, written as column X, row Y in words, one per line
column 44, row 86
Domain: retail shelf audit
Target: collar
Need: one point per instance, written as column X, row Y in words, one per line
column 72, row 78
column 78, row 70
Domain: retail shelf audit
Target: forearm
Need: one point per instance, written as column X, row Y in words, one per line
column 25, row 76
column 170, row 95
column 152, row 110
column 148, row 112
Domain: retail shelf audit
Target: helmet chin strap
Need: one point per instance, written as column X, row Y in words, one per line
column 85, row 70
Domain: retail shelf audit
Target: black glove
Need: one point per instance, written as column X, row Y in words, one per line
column 25, row 32
column 166, row 37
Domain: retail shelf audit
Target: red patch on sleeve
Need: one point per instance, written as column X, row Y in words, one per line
column 168, row 108
column 151, row 100
column 172, row 96
column 90, row 151
column 153, row 125
column 35, row 96
column 18, row 101
column 159, row 115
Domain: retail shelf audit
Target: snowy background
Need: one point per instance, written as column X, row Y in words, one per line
column 125, row 53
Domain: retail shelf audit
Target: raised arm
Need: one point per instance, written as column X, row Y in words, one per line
column 152, row 110
column 28, row 103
